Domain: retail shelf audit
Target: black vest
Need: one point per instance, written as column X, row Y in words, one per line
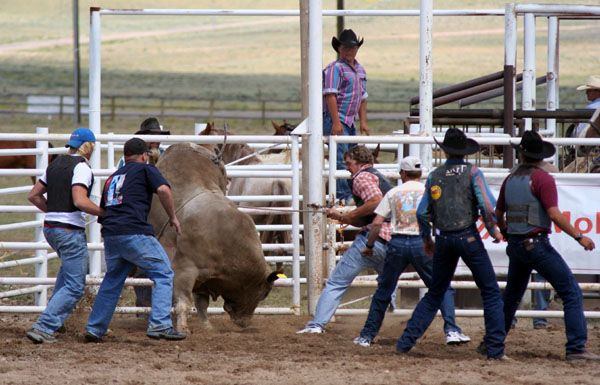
column 59, row 175
column 524, row 212
column 384, row 186
column 453, row 202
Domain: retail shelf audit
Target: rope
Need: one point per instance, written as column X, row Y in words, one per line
column 162, row 229
column 314, row 209
column 253, row 154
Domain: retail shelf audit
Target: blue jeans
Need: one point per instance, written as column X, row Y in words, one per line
column 537, row 253
column 122, row 252
column 540, row 300
column 349, row 266
column 342, row 189
column 449, row 247
column 404, row 250
column 71, row 247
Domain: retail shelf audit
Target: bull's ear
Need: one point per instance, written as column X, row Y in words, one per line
column 376, row 152
column 272, row 277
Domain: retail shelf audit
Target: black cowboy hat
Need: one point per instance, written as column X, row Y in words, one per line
column 347, row 38
column 532, row 146
column 151, row 126
column 456, row 143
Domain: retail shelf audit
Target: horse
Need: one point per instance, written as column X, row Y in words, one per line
column 256, row 186
column 21, row 161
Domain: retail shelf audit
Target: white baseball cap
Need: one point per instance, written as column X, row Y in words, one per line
column 410, row 163
column 593, row 83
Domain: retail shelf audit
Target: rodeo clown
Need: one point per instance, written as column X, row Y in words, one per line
column 527, row 206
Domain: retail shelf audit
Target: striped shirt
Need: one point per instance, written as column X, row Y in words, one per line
column 366, row 186
column 350, row 86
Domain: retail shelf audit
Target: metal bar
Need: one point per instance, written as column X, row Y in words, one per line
column 25, row 261
column 271, row 12
column 20, row 225
column 558, row 9
column 496, row 92
column 476, row 313
column 528, row 93
column 426, row 77
column 315, row 159
column 296, row 227
column 461, row 86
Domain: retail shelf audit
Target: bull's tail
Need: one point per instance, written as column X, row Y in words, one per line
column 279, row 187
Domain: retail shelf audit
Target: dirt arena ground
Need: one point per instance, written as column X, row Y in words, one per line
column 270, row 352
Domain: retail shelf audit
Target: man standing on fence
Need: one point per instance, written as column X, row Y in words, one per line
column 456, row 193
column 129, row 241
column 405, row 247
column 368, row 187
column 68, row 182
column 529, row 199
column 592, row 92
column 345, row 97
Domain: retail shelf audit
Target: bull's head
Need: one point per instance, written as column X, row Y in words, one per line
column 241, row 307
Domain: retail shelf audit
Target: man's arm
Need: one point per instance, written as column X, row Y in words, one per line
column 362, row 117
column 485, row 202
column 36, row 196
column 373, row 234
column 349, row 218
column 166, row 200
column 561, row 221
column 83, row 203
column 332, row 107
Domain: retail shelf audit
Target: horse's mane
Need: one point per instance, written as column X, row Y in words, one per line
column 235, row 151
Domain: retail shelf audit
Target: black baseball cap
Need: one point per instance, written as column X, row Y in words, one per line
column 135, row 146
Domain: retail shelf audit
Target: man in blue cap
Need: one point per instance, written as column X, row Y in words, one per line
column 67, row 182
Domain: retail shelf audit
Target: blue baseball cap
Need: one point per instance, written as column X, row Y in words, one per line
column 80, row 136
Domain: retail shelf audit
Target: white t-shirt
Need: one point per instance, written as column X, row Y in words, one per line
column 82, row 175
column 402, row 202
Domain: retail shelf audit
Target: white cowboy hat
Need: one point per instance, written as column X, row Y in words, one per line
column 593, row 83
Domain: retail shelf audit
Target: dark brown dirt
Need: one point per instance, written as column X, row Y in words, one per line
column 270, row 352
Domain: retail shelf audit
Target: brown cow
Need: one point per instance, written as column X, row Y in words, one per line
column 219, row 252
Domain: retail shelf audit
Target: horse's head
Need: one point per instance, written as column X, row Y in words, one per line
column 283, row 129
column 229, row 152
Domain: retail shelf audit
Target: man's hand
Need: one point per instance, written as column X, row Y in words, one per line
column 364, row 129
column 333, row 214
column 174, row 222
column 587, row 243
column 497, row 235
column 336, row 128
column 428, row 246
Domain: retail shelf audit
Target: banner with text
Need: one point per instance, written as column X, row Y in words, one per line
column 577, row 196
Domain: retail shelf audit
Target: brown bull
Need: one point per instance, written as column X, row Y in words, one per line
column 219, row 252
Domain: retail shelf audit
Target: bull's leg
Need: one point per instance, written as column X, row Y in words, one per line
column 202, row 300
column 185, row 278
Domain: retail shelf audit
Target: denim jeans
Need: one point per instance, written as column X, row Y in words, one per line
column 537, row 253
column 71, row 247
column 403, row 250
column 122, row 252
column 449, row 247
column 349, row 266
column 342, row 189
column 541, row 298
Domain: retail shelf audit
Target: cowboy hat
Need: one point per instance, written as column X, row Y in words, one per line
column 151, row 126
column 532, row 146
column 347, row 38
column 456, row 143
column 593, row 83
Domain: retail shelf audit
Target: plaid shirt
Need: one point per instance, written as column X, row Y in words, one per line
column 350, row 86
column 366, row 186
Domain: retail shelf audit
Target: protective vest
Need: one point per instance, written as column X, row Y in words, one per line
column 59, row 175
column 453, row 202
column 384, row 186
column 524, row 212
